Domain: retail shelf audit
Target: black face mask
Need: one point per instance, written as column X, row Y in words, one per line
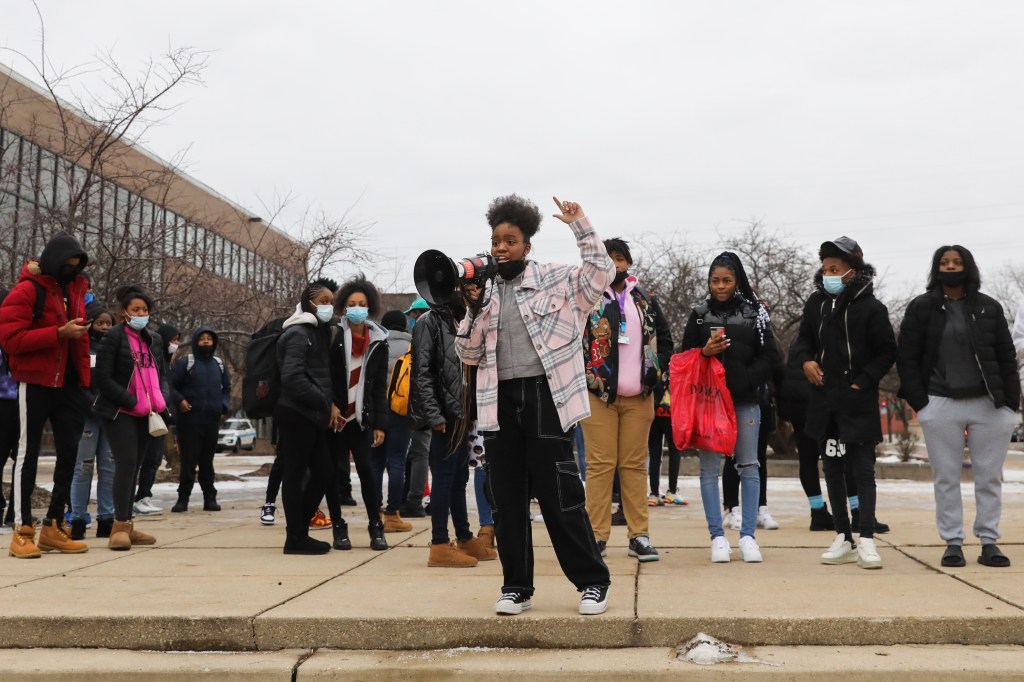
column 511, row 269
column 620, row 277
column 951, row 279
column 67, row 273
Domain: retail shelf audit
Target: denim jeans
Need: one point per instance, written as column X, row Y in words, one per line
column 449, row 474
column 391, row 456
column 581, row 453
column 483, row 507
column 93, row 453
column 748, row 424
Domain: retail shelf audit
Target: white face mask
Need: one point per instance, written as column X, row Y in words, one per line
column 325, row 313
column 172, row 348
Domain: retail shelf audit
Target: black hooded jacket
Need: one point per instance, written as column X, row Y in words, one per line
column 436, row 383
column 114, row 368
column 851, row 338
column 991, row 344
column 57, row 252
column 206, row 386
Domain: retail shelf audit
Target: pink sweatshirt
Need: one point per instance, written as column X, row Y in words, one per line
column 145, row 379
column 631, row 354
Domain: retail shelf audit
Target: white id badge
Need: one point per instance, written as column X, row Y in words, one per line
column 624, row 340
column 92, row 360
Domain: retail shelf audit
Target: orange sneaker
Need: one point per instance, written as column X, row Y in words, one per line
column 23, row 544
column 320, row 521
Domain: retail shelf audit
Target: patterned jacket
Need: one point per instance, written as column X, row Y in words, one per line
column 554, row 301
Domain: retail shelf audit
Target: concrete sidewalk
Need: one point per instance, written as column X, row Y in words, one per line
column 219, row 582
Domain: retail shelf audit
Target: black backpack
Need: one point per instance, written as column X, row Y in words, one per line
column 261, row 386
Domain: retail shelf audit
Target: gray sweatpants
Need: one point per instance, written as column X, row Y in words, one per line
column 944, row 421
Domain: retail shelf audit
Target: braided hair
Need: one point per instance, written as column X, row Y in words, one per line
column 731, row 262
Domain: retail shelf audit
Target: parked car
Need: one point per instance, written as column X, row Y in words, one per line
column 237, row 434
column 1018, row 434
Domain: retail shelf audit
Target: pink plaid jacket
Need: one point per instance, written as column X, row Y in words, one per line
column 554, row 301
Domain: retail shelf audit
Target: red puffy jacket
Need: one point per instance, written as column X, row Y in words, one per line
column 37, row 354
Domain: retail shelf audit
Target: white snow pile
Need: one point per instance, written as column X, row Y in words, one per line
column 707, row 650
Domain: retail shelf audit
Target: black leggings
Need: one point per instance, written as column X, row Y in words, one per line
column 129, row 441
column 352, row 439
column 303, row 447
column 661, row 430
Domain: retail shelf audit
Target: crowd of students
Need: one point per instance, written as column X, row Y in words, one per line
column 506, row 379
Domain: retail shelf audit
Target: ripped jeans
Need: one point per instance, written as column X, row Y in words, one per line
column 748, row 424
column 93, row 454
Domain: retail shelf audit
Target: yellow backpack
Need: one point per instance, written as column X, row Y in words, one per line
column 398, row 387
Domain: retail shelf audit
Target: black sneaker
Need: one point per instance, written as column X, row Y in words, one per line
column 641, row 548
column 594, row 600
column 855, row 523
column 349, row 501
column 512, row 603
column 412, row 511
column 306, row 545
column 619, row 517
column 821, row 519
column 602, row 547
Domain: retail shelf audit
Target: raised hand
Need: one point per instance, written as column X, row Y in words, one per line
column 570, row 211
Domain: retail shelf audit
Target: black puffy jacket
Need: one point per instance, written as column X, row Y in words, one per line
column 305, row 371
column 206, row 386
column 748, row 363
column 437, row 375
column 851, row 338
column 921, row 333
column 374, row 375
column 114, row 368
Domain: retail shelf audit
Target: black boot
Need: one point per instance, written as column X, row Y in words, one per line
column 210, row 502
column 341, row 540
column 303, row 544
column 821, row 519
column 182, row 504
column 377, row 541
column 855, row 523
column 77, row 529
column 103, row 527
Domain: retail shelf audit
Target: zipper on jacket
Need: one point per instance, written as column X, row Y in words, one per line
column 821, row 340
column 977, row 361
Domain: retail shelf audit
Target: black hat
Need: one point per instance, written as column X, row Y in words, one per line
column 845, row 245
column 394, row 320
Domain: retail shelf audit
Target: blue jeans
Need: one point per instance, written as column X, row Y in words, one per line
column 391, row 456
column 483, row 507
column 748, row 424
column 449, row 474
column 93, row 452
column 581, row 453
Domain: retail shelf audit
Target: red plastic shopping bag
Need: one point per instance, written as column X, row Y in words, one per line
column 703, row 415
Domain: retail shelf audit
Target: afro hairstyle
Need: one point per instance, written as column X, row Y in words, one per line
column 515, row 210
column 359, row 284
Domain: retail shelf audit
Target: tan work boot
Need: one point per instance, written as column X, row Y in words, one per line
column 486, row 536
column 53, row 538
column 393, row 523
column 449, row 556
column 120, row 536
column 478, row 549
column 23, row 544
column 137, row 537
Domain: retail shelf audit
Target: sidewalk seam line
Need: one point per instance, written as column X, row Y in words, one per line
column 959, row 579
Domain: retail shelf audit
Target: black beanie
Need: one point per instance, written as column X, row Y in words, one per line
column 394, row 320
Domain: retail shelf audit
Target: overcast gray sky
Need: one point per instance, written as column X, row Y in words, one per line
column 898, row 123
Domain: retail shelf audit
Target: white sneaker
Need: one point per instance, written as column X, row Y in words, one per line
column 749, row 550
column 720, row 550
column 841, row 552
column 867, row 553
column 733, row 520
column 145, row 507
column 594, row 601
column 765, row 520
column 512, row 604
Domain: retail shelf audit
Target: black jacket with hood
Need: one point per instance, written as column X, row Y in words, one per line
column 207, row 386
column 437, row 375
column 372, row 394
column 991, row 344
column 115, row 365
column 851, row 338
column 302, row 360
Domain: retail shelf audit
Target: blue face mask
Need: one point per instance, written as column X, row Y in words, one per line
column 324, row 313
column 834, row 283
column 138, row 323
column 412, row 323
column 357, row 314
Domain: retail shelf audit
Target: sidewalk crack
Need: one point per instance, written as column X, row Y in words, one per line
column 964, row 581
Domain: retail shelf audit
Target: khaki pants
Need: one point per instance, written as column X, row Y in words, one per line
column 616, row 439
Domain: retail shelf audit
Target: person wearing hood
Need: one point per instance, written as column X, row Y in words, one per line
column 144, row 505
column 130, row 384
column 359, row 381
column 845, row 346
column 958, row 370
column 733, row 326
column 94, row 450
column 391, row 455
column 627, row 345
column 43, row 332
column 201, row 390
column 304, row 413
